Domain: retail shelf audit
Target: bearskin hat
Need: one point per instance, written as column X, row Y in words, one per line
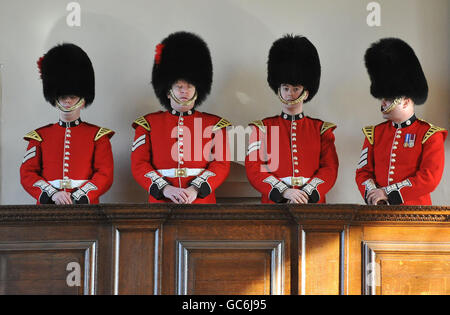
column 395, row 71
column 294, row 60
column 185, row 56
column 67, row 70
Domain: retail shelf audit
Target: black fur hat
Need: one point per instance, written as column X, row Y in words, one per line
column 186, row 56
column 294, row 60
column 395, row 71
column 67, row 70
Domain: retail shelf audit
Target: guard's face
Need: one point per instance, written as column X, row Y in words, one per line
column 183, row 91
column 395, row 113
column 68, row 100
column 290, row 92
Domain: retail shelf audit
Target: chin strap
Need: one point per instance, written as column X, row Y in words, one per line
column 70, row 109
column 187, row 103
column 301, row 98
column 394, row 104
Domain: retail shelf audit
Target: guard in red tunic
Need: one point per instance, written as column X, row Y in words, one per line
column 402, row 159
column 68, row 162
column 181, row 155
column 291, row 157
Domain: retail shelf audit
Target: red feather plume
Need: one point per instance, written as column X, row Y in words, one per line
column 39, row 63
column 158, row 52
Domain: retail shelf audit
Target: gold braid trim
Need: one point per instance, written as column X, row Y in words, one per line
column 141, row 121
column 259, row 124
column 33, row 135
column 102, row 131
column 369, row 133
column 221, row 124
column 430, row 132
column 326, row 126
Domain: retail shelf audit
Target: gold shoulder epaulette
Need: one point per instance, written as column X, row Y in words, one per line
column 369, row 133
column 101, row 132
column 431, row 131
column 33, row 135
column 326, row 126
column 141, row 121
column 259, row 124
column 221, row 124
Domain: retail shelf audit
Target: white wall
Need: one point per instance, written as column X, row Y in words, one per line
column 120, row 37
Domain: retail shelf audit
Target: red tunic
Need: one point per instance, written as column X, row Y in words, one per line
column 407, row 160
column 292, row 152
column 75, row 157
column 180, row 149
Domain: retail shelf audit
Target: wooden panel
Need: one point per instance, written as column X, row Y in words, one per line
column 406, row 268
column 43, row 267
column 136, row 260
column 204, row 249
column 322, row 262
column 233, row 267
column 221, row 272
column 195, row 246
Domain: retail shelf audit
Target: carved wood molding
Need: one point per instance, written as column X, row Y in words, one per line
column 404, row 214
column 342, row 213
column 403, row 217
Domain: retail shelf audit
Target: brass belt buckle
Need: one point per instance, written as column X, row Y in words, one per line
column 180, row 172
column 297, row 181
column 66, row 184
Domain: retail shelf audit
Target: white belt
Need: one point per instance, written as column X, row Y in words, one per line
column 181, row 172
column 67, row 183
column 295, row 181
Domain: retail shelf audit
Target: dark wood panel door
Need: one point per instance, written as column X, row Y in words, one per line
column 48, row 267
column 136, row 259
column 406, row 268
column 221, row 267
column 322, row 260
column 227, row 258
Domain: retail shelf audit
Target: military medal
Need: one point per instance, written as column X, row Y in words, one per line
column 406, row 143
column 412, row 139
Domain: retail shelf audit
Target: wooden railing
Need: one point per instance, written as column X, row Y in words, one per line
column 224, row 249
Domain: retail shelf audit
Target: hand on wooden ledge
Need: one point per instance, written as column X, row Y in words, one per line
column 377, row 196
column 62, row 198
column 295, row 196
column 192, row 193
column 180, row 195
